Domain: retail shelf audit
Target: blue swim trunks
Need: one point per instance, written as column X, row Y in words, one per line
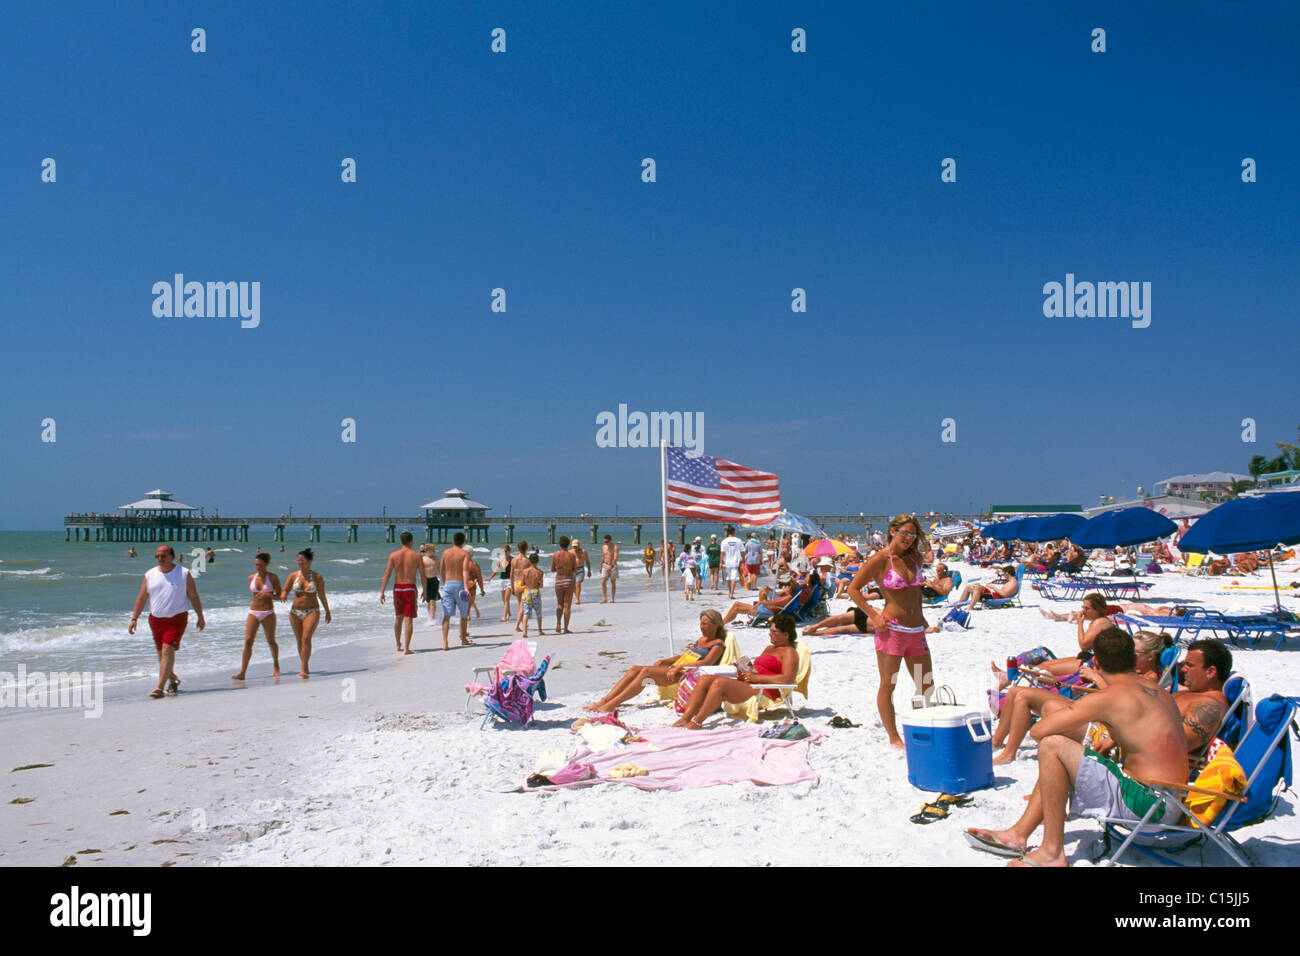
column 454, row 597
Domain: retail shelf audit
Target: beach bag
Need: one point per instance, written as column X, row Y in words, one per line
column 1222, row 773
column 958, row 619
column 786, row 730
column 684, row 688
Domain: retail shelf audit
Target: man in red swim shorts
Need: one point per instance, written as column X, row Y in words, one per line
column 407, row 584
column 170, row 591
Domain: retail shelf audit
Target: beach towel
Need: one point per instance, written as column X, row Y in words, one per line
column 517, row 658
column 511, row 698
column 679, row 759
column 1221, row 773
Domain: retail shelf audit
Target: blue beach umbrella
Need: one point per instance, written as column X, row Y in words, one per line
column 1004, row 530
column 1248, row 524
column 1122, row 528
column 1052, row 527
column 788, row 521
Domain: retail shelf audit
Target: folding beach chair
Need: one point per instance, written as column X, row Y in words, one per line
column 511, row 698
column 1264, row 754
column 730, row 654
column 512, row 662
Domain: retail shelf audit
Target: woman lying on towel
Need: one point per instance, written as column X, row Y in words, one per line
column 705, row 652
column 778, row 664
column 1020, row 704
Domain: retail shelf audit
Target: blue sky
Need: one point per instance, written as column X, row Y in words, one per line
column 522, row 171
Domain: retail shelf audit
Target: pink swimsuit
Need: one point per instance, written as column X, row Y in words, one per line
column 897, row 640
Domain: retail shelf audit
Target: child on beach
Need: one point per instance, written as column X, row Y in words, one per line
column 531, row 597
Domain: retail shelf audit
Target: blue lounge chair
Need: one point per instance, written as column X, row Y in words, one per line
column 1264, row 754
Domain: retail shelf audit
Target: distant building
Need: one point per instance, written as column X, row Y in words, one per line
column 456, row 511
column 1217, row 484
column 158, row 504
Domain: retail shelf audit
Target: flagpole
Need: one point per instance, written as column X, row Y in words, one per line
column 663, row 499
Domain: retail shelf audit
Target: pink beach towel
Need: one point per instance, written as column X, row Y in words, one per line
column 678, row 759
column 517, row 658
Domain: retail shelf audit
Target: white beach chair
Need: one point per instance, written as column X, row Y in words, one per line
column 486, row 673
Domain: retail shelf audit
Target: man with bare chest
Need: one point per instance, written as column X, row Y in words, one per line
column 408, row 582
column 455, row 597
column 563, row 566
column 608, row 569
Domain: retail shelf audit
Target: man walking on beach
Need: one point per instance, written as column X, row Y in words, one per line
column 170, row 591
column 563, row 565
column 608, row 569
column 732, row 549
column 429, row 561
column 409, row 581
column 1144, row 721
column 714, row 554
column 455, row 599
column 753, row 561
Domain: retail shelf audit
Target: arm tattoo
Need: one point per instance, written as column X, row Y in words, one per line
column 1201, row 724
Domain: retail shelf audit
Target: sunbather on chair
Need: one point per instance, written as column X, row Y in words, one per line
column 1005, row 586
column 1020, row 704
column 705, row 652
column 778, row 664
column 1143, row 719
column 938, row 586
column 777, row 602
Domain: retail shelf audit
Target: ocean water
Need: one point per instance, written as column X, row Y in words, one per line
column 65, row 606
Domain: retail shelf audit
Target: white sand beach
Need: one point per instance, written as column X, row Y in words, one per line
column 376, row 761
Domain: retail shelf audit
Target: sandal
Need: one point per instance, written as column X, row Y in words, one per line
column 929, row 813
column 841, row 722
column 174, row 686
column 157, row 694
column 954, row 800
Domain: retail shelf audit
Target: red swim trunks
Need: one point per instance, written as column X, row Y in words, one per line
column 404, row 600
column 753, row 569
column 168, row 630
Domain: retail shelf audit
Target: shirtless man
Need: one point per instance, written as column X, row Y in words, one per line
column 940, row 585
column 581, row 571
column 409, row 582
column 608, row 569
column 429, row 559
column 1145, row 722
column 518, row 565
column 455, row 599
column 563, row 566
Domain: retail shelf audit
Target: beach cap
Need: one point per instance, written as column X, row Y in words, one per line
column 825, row 563
column 698, row 538
column 713, row 537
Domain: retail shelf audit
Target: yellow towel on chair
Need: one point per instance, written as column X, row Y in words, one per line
column 730, row 653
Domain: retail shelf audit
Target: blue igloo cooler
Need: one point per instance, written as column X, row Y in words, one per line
column 949, row 748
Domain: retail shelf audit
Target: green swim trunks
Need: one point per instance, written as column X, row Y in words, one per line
column 1101, row 788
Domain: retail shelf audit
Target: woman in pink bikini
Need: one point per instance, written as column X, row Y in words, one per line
column 900, row 629
column 266, row 588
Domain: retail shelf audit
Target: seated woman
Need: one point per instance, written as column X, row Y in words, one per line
column 1090, row 620
column 777, row 602
column 1044, row 561
column 778, row 664
column 1004, row 586
column 1075, row 560
column 705, row 652
column 1022, row 703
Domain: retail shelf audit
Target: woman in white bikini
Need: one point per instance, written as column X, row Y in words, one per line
column 308, row 589
column 265, row 587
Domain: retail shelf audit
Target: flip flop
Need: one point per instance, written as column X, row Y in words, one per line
column 954, row 800
column 157, row 694
column 174, row 686
column 929, row 813
column 841, row 722
column 993, row 845
column 1026, row 862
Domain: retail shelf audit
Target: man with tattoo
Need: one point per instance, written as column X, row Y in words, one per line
column 1202, row 704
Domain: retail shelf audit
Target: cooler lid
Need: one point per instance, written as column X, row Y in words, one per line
column 942, row 716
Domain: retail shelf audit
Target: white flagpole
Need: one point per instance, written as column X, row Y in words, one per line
column 663, row 498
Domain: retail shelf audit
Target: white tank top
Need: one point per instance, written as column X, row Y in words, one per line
column 167, row 596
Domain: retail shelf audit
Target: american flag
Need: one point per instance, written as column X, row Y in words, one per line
column 704, row 487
